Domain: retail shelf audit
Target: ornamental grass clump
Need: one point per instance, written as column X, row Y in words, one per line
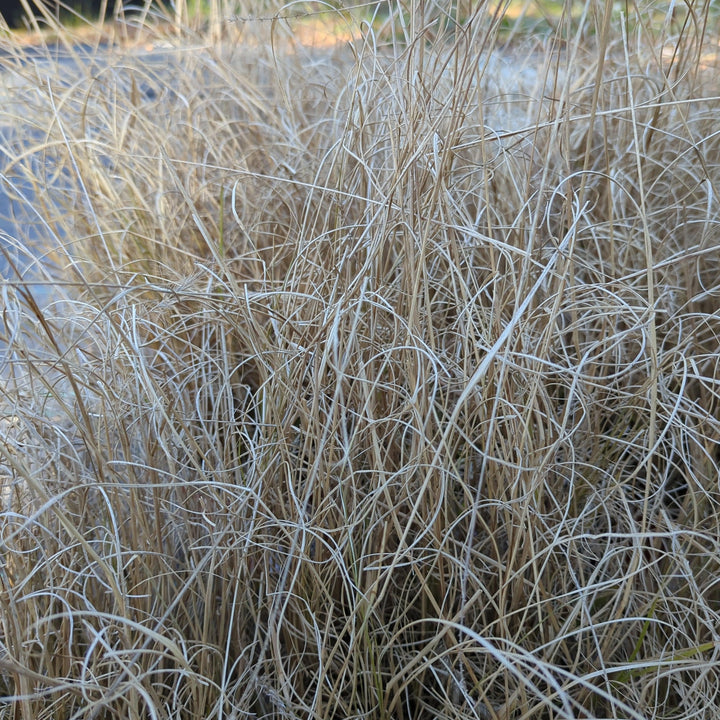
column 378, row 378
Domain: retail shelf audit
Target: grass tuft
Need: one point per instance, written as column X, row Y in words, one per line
column 373, row 370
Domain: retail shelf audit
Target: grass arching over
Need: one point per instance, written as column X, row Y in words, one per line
column 388, row 382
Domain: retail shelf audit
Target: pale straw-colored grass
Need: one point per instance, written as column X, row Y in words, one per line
column 387, row 381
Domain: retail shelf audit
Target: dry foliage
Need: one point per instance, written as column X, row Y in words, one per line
column 377, row 380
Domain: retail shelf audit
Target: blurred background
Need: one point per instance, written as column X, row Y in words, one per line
column 13, row 11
